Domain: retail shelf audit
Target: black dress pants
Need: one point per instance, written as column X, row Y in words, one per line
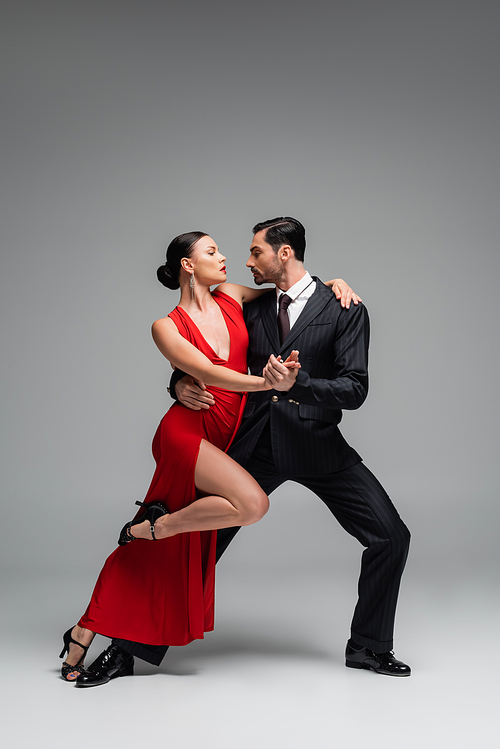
column 363, row 508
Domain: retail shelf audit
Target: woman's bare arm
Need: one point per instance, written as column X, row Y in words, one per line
column 242, row 294
column 245, row 294
column 187, row 357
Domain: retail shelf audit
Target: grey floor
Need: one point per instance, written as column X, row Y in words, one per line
column 272, row 673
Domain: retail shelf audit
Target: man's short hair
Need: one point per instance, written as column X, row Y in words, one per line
column 284, row 230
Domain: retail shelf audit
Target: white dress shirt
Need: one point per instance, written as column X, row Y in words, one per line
column 299, row 293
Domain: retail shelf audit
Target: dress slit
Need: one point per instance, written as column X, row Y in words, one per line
column 162, row 592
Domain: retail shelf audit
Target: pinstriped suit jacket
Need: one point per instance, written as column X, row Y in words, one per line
column 333, row 351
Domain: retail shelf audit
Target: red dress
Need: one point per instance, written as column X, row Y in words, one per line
column 162, row 592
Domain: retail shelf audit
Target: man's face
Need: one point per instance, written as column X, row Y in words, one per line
column 264, row 262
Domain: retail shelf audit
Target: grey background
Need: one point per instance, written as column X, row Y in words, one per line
column 376, row 124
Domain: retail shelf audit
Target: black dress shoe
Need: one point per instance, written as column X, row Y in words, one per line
column 111, row 663
column 381, row 663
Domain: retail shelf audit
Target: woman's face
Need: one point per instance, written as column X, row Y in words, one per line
column 207, row 262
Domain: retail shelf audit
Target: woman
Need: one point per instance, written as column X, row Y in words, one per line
column 163, row 592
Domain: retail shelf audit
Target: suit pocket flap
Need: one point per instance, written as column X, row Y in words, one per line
column 316, row 323
column 330, row 415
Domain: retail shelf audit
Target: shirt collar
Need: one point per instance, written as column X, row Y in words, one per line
column 297, row 289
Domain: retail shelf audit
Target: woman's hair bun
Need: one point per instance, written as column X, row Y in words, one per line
column 180, row 247
column 165, row 277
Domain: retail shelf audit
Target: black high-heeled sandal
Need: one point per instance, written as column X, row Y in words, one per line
column 66, row 669
column 154, row 511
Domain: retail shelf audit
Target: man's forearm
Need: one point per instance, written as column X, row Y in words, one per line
column 343, row 393
column 349, row 386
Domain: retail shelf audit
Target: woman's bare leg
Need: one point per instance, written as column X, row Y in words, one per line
column 234, row 498
column 74, row 657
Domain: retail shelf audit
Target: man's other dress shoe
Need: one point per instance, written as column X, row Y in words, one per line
column 111, row 663
column 381, row 663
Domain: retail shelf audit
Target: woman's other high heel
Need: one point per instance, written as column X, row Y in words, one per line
column 66, row 668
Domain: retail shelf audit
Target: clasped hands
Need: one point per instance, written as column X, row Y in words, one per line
column 278, row 374
column 281, row 375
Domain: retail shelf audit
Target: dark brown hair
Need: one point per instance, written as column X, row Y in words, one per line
column 179, row 247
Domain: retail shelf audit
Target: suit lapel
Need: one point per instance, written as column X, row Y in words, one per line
column 269, row 318
column 315, row 304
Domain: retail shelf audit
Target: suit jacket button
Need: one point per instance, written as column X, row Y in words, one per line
column 274, row 399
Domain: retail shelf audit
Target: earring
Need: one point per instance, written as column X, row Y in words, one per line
column 191, row 285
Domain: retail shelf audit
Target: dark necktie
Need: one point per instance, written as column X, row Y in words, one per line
column 283, row 321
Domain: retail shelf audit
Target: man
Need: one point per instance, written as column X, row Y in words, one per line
column 291, row 432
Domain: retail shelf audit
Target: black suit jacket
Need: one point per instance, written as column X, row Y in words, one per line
column 333, row 351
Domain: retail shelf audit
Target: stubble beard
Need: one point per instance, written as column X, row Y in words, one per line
column 274, row 276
